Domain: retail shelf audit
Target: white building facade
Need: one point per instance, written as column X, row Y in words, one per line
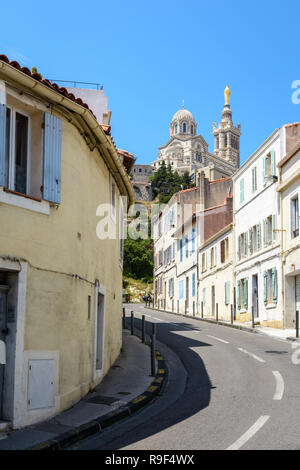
column 257, row 252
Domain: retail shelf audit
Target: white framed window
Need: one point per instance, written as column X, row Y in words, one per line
column 17, row 172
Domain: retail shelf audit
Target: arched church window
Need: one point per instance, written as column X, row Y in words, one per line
column 184, row 128
column 225, row 140
column 192, row 130
column 176, row 128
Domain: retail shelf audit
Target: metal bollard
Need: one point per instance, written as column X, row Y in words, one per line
column 152, row 349
column 231, row 312
column 143, row 329
column 252, row 316
column 124, row 319
column 297, row 324
column 132, row 322
column 217, row 312
column 202, row 309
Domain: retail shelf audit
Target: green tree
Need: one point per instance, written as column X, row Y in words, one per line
column 138, row 259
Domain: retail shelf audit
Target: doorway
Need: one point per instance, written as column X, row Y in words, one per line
column 3, row 334
column 100, row 332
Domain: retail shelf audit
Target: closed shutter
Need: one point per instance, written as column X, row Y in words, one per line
column 246, row 293
column 2, row 142
column 246, row 244
column 239, row 294
column 258, row 233
column 52, row 158
column 265, row 287
column 273, row 169
column 193, row 285
column 227, row 287
column 265, row 228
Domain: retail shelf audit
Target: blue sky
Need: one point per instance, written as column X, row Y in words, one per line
column 151, row 55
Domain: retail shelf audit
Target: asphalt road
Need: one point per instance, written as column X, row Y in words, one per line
column 227, row 389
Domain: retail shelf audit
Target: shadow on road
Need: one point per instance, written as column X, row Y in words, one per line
column 197, row 391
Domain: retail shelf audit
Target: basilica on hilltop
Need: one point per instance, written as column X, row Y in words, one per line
column 186, row 150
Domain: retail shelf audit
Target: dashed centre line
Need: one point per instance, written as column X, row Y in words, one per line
column 218, row 339
column 248, row 434
column 279, row 385
column 259, row 359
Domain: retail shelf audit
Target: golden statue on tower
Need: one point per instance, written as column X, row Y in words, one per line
column 227, row 94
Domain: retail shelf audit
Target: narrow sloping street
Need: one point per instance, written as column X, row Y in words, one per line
column 227, row 389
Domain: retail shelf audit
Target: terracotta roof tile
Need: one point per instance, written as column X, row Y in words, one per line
column 44, row 81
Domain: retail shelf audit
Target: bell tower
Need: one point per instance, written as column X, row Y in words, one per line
column 227, row 136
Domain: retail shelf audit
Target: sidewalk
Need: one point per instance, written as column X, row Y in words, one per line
column 126, row 388
column 283, row 334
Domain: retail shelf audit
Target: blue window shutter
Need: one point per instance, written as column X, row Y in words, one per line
column 2, row 143
column 273, row 162
column 246, row 293
column 52, row 158
column 239, row 294
column 265, row 287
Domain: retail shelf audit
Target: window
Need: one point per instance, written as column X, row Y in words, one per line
column 193, row 285
column 181, row 290
column 184, row 128
column 225, row 140
column 17, row 151
column 140, row 170
column 227, row 292
column 242, row 294
column 180, row 248
column 186, row 246
column 270, row 286
column 243, row 245
column 269, row 226
column 171, row 287
column 294, row 217
column 269, row 165
column 192, row 130
column 254, row 179
column 242, row 195
column 176, row 128
column 193, row 240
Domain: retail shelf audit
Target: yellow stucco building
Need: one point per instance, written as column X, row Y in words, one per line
column 60, row 284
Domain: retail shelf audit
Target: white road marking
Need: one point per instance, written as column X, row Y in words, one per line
column 279, row 385
column 218, row 339
column 248, row 434
column 252, row 355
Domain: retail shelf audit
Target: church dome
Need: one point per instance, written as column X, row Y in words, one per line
column 182, row 114
column 183, row 123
